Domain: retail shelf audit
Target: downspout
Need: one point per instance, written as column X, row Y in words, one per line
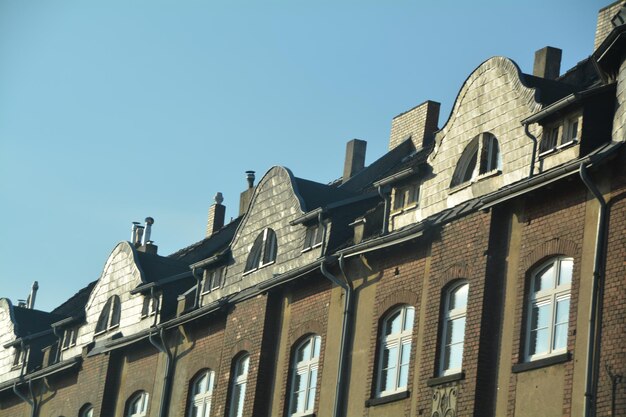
column 534, row 152
column 386, row 211
column 595, row 319
column 196, row 301
column 32, row 401
column 347, row 313
column 325, row 232
column 57, row 354
column 161, row 347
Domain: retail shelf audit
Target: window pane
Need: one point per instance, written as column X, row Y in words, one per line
column 561, row 324
column 545, row 279
column 565, row 275
column 458, row 298
column 456, row 331
column 238, row 398
column 453, row 356
column 389, row 368
column 469, row 170
column 297, row 402
column 317, row 341
column 409, row 316
column 393, row 324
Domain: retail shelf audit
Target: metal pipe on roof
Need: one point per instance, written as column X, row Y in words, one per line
column 597, row 293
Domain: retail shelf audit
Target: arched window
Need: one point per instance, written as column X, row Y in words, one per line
column 201, row 394
column 304, row 376
column 137, row 405
column 548, row 308
column 110, row 315
column 395, row 351
column 238, row 382
column 263, row 250
column 453, row 329
column 481, row 156
column 86, row 410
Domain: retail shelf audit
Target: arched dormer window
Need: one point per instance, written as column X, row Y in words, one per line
column 263, row 251
column 110, row 315
column 481, row 156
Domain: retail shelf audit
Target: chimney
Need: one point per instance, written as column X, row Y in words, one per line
column 217, row 213
column 143, row 242
column 355, row 158
column 246, row 196
column 419, row 123
column 547, row 63
column 609, row 17
column 30, row 303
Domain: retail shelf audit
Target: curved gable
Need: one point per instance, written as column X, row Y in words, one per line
column 493, row 99
column 276, row 201
column 7, row 335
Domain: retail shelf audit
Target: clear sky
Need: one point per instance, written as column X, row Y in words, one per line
column 111, row 111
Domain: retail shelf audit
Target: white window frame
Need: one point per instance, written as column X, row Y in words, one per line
column 20, row 356
column 109, row 312
column 314, row 236
column 87, row 410
column 69, row 337
column 401, row 340
column 201, row 396
column 266, row 245
column 141, row 399
column 567, row 137
column 210, row 283
column 406, row 197
column 151, row 307
column 484, row 147
column 547, row 297
column 239, row 382
column 308, row 370
column 450, row 316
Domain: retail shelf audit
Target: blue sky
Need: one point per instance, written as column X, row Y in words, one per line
column 114, row 111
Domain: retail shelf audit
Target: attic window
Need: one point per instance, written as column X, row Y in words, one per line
column 149, row 307
column 561, row 134
column 69, row 338
column 110, row 315
column 314, row 236
column 481, row 156
column 213, row 280
column 20, row 356
column 263, row 251
column 406, row 196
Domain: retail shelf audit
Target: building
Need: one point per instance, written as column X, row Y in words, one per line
column 475, row 269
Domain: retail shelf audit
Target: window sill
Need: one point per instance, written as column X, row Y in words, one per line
column 541, row 363
column 258, row 268
column 404, row 209
column 474, row 180
column 387, row 399
column 307, row 249
column 440, row 380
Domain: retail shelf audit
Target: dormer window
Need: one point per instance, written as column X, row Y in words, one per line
column 481, row 156
column 406, row 196
column 314, row 236
column 149, row 306
column 561, row 134
column 213, row 280
column 20, row 356
column 110, row 315
column 69, row 338
column 263, row 251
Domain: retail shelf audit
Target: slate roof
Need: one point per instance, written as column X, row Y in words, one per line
column 317, row 195
column 208, row 246
column 75, row 305
column 29, row 321
column 156, row 267
column 549, row 91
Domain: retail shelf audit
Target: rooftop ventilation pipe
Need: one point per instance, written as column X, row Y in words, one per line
column 147, row 231
column 33, row 294
column 246, row 196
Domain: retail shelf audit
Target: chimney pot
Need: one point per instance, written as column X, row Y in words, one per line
column 217, row 213
column 244, row 198
column 147, row 230
column 250, row 177
column 547, row 63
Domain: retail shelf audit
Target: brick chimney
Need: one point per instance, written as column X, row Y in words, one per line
column 246, row 196
column 608, row 19
column 419, row 123
column 547, row 63
column 355, row 158
column 217, row 212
